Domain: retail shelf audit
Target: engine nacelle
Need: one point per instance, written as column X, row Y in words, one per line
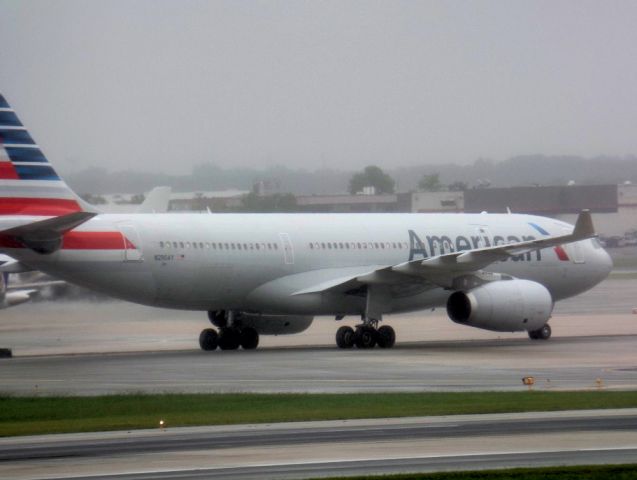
column 502, row 306
column 274, row 324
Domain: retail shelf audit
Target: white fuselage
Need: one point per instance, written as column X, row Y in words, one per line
column 256, row 262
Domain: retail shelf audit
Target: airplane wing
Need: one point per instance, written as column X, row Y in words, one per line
column 441, row 270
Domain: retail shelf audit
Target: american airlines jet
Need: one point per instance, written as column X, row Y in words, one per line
column 270, row 274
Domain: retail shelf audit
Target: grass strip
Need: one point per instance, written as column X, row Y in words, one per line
column 38, row 415
column 594, row 472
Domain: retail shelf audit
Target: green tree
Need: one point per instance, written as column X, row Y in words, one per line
column 430, row 183
column 372, row 176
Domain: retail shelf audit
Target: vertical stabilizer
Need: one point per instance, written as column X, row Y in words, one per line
column 28, row 183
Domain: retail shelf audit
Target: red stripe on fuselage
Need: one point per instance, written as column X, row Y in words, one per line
column 93, row 241
column 81, row 241
column 561, row 253
column 37, row 206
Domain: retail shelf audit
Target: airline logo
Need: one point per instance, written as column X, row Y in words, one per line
column 36, row 189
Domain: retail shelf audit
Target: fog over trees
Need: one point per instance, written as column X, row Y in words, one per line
column 517, row 171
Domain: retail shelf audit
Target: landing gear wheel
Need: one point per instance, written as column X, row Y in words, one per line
column 208, row 339
column 249, row 338
column 229, row 338
column 385, row 337
column 543, row 333
column 345, row 337
column 365, row 337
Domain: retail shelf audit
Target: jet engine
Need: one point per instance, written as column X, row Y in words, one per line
column 502, row 306
column 274, row 324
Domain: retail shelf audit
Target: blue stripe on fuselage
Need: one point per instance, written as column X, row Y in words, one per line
column 539, row 229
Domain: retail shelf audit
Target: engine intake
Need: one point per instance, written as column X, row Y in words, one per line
column 502, row 306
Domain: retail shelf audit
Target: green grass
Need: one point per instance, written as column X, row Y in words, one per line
column 37, row 415
column 596, row 472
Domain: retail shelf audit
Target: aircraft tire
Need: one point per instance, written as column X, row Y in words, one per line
column 208, row 339
column 365, row 337
column 386, row 337
column 249, row 338
column 229, row 338
column 345, row 337
column 543, row 333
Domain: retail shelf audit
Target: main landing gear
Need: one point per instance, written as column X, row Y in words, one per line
column 543, row 333
column 365, row 336
column 229, row 337
column 368, row 334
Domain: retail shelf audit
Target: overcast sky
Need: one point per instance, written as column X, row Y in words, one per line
column 163, row 85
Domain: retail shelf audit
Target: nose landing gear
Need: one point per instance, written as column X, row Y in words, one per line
column 543, row 333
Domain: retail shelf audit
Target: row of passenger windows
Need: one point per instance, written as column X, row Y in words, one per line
column 274, row 246
column 357, row 245
column 219, row 245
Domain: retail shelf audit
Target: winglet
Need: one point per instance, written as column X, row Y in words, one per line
column 584, row 227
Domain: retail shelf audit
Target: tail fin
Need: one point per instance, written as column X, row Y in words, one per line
column 28, row 183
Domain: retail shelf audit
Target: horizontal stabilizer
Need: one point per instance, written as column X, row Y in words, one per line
column 45, row 236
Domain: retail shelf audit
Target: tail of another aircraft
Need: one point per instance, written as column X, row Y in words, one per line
column 28, row 183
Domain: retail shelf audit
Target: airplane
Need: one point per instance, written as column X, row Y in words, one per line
column 271, row 274
column 15, row 297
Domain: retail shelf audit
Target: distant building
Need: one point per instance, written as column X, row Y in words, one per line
column 349, row 203
column 215, row 201
column 436, row 202
column 549, row 200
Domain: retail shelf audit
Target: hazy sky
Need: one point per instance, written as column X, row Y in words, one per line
column 163, row 85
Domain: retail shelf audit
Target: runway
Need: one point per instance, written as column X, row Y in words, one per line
column 310, row 449
column 560, row 364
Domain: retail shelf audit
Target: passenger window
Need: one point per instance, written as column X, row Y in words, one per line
column 181, row 244
column 340, row 245
column 174, row 244
column 276, row 247
column 194, row 244
column 257, row 245
column 238, row 246
column 311, row 246
column 323, row 246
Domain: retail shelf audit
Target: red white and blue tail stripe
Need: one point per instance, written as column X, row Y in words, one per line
column 28, row 183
